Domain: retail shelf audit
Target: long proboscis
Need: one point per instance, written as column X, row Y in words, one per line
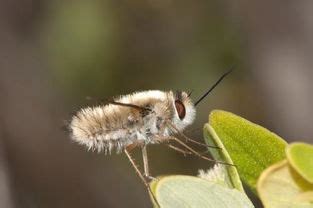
column 213, row 86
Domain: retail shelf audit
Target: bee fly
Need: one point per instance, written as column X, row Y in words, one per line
column 136, row 120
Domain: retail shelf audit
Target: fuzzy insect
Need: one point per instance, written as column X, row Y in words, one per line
column 137, row 120
column 118, row 126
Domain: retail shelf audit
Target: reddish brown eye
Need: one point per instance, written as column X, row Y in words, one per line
column 180, row 108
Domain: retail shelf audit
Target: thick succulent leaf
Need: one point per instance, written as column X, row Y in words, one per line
column 251, row 147
column 300, row 157
column 280, row 186
column 189, row 191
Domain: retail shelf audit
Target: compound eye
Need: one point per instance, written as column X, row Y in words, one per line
column 180, row 108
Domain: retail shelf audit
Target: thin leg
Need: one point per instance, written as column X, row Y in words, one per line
column 179, row 150
column 197, row 153
column 190, row 140
column 198, row 143
column 145, row 161
column 184, row 152
column 141, row 176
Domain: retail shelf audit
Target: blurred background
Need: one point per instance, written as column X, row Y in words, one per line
column 54, row 54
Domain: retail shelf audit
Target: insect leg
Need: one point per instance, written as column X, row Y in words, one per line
column 199, row 143
column 179, row 150
column 145, row 161
column 141, row 176
column 184, row 152
column 174, row 129
column 190, row 140
column 198, row 154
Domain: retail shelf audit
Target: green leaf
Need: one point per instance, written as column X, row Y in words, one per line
column 251, row 147
column 189, row 191
column 232, row 176
column 280, row 186
column 300, row 157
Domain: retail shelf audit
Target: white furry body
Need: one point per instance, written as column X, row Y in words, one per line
column 114, row 126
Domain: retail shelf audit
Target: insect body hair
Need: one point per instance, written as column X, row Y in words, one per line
column 105, row 127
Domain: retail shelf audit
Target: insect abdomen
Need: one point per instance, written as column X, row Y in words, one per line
column 102, row 128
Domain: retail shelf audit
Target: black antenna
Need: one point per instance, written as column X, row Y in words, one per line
column 216, row 83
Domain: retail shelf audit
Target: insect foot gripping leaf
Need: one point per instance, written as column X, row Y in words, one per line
column 280, row 186
column 193, row 192
column 250, row 147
